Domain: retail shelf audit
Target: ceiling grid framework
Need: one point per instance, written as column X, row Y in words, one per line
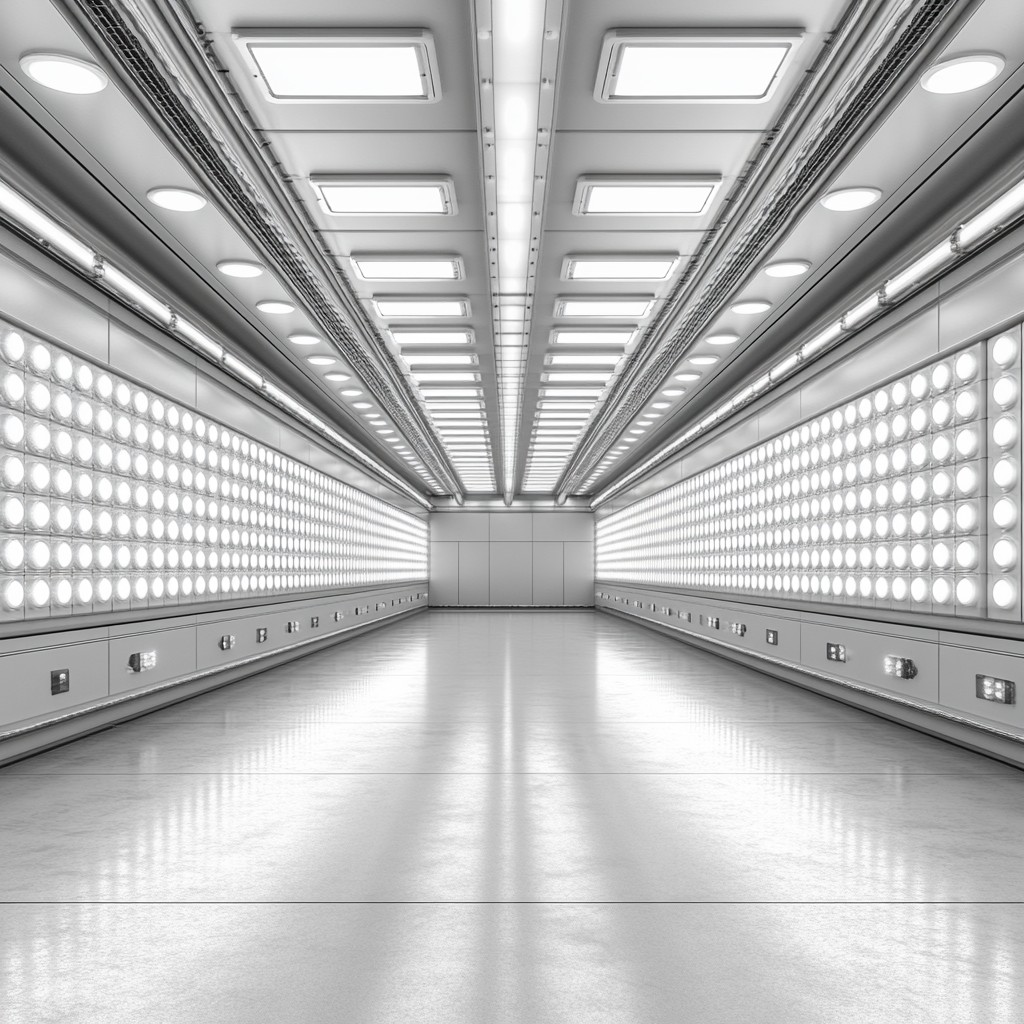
column 520, row 247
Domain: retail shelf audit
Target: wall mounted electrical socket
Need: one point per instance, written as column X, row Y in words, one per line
column 292, row 627
column 712, row 621
column 901, row 668
column 338, row 616
column 771, row 637
column 999, row 691
column 314, row 622
column 142, row 661
column 227, row 641
column 60, row 681
column 261, row 635
column 835, row 652
column 738, row 628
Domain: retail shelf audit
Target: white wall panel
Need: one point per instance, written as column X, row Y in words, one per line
column 456, row 526
column 511, row 526
column 444, row 572
column 474, row 573
column 548, row 573
column 578, row 574
column 511, row 571
column 575, row 526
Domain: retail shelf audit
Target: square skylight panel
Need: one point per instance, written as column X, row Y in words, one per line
column 618, row 268
column 408, row 268
column 342, row 67
column 349, row 196
column 651, row 195
column 692, row 66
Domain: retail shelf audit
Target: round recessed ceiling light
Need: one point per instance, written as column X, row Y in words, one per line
column 751, row 307
column 846, row 199
column 338, row 378
column 673, row 392
column 63, row 73
column 662, row 405
column 182, row 200
column 354, row 393
column 303, row 339
column 704, row 360
column 722, row 339
column 321, row 360
column 962, row 74
column 275, row 307
column 787, row 268
column 239, row 268
column 687, row 376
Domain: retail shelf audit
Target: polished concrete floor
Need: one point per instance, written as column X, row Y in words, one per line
column 524, row 818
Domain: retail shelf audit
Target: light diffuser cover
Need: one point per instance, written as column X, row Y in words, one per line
column 381, row 195
column 351, row 66
column 658, row 195
column 646, row 66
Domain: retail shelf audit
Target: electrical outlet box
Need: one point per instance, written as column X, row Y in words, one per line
column 227, row 641
column 835, row 652
column 685, row 616
column 293, row 626
column 338, row 616
column 261, row 635
column 60, row 681
column 738, row 628
column 771, row 637
column 713, row 622
column 900, row 668
column 314, row 622
column 142, row 661
column 999, row 691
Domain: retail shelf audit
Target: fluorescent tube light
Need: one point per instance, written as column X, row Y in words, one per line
column 351, row 66
column 575, row 359
column 618, row 338
column 677, row 196
column 408, row 268
column 388, row 308
column 425, row 378
column 378, row 196
column 618, row 268
column 439, row 360
column 693, row 66
column 578, row 378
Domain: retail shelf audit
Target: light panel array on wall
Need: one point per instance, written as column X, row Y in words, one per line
column 114, row 498
column 884, row 501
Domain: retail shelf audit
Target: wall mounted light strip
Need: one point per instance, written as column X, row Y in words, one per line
column 993, row 219
column 30, row 220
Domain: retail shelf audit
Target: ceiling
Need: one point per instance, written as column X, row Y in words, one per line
column 569, row 344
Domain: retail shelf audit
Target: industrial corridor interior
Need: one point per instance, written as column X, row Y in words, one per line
column 511, row 511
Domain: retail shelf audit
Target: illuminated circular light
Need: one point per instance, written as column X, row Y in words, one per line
column 899, row 589
column 846, row 199
column 181, row 200
column 337, row 378
column 13, row 388
column 942, row 485
column 275, row 307
column 320, row 360
column 39, row 593
column 686, row 377
column 966, row 480
column 1004, row 513
column 84, row 592
column 787, row 268
column 1004, row 473
column 966, row 405
column 751, row 307
column 942, row 448
column 1004, row 593
column 942, row 377
column 967, row 592
column 12, row 347
column 354, row 393
column 967, row 554
column 673, row 393
column 64, row 73
column 1004, row 553
column 1004, row 349
column 962, row 74
column 1005, row 391
column 1004, row 431
column 942, row 412
column 942, row 520
column 919, row 589
column 304, row 339
column 721, row 339
column 942, row 590
column 966, row 366
column 967, row 443
column 240, row 268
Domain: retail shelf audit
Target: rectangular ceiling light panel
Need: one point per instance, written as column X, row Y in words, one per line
column 618, row 338
column 408, row 268
column 679, row 66
column 381, row 195
column 420, row 307
column 369, row 66
column 407, row 339
column 627, row 306
column 648, row 195
column 653, row 267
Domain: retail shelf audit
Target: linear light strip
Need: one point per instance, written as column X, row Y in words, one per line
column 993, row 219
column 40, row 226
